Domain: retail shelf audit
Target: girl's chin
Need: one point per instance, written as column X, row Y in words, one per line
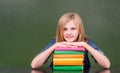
column 69, row 40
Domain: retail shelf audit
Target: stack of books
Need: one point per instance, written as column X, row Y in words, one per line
column 68, row 58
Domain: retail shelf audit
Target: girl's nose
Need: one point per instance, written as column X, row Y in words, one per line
column 69, row 32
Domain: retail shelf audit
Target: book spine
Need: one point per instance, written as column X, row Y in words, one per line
column 67, row 67
column 68, row 52
column 68, row 56
column 68, row 61
column 69, row 48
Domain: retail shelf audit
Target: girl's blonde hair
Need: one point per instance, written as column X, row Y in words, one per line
column 65, row 19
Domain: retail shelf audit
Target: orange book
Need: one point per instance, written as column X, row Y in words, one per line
column 68, row 56
column 67, row 61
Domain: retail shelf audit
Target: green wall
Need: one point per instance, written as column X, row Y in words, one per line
column 27, row 25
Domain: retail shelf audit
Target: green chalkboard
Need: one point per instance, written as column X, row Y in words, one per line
column 27, row 25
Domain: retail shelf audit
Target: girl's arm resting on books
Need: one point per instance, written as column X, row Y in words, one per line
column 101, row 59
column 39, row 60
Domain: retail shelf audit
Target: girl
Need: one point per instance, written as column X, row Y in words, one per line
column 70, row 32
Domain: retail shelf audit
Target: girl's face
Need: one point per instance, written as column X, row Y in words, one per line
column 70, row 31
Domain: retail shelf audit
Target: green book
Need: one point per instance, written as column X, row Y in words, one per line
column 68, row 52
column 67, row 71
column 58, row 67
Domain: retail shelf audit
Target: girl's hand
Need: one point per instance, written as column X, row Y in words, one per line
column 61, row 44
column 74, row 44
column 70, row 44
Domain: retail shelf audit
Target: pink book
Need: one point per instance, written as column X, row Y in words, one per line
column 80, row 48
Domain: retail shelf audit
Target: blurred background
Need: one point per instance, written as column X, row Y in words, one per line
column 26, row 26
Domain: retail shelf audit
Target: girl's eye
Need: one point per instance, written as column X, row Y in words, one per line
column 73, row 28
column 65, row 29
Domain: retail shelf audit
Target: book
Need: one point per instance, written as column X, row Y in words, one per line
column 67, row 61
column 68, row 56
column 79, row 67
column 70, row 48
column 68, row 52
column 67, row 71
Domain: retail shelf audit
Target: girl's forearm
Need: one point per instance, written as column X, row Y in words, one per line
column 101, row 59
column 40, row 59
